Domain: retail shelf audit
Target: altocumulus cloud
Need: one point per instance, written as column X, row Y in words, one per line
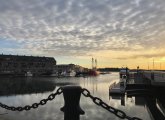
column 80, row 27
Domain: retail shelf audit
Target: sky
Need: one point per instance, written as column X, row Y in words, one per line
column 117, row 33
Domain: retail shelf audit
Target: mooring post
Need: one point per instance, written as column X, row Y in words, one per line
column 72, row 109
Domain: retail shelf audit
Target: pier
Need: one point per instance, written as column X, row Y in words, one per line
column 140, row 81
column 146, row 85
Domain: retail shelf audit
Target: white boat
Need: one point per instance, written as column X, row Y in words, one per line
column 71, row 73
column 28, row 74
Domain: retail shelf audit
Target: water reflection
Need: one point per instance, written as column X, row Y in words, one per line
column 16, row 86
column 154, row 103
column 98, row 86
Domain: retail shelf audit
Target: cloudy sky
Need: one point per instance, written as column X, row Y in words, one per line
column 116, row 32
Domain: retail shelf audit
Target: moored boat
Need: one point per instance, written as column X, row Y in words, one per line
column 124, row 72
column 93, row 73
column 71, row 73
column 28, row 74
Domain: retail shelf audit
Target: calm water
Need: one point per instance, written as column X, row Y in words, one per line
column 26, row 91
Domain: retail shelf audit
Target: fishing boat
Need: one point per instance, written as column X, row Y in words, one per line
column 93, row 73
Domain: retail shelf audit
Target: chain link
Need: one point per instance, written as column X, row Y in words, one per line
column 115, row 111
column 34, row 105
column 85, row 92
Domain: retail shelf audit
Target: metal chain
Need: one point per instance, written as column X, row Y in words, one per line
column 113, row 110
column 34, row 105
column 85, row 92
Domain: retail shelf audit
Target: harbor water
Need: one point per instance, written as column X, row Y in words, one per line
column 21, row 91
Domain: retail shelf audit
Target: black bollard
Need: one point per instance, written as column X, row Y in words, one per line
column 72, row 109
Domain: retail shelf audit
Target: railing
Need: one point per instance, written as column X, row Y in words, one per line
column 154, row 76
column 72, row 109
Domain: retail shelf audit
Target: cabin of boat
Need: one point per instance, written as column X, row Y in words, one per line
column 124, row 72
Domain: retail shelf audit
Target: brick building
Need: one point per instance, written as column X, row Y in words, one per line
column 20, row 65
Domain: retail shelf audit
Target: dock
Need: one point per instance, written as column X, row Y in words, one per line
column 139, row 83
column 146, row 86
column 117, row 88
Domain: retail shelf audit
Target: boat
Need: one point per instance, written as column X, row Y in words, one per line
column 28, row 74
column 124, row 72
column 71, row 73
column 93, row 73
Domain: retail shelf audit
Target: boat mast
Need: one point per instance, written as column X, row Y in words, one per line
column 92, row 63
column 96, row 64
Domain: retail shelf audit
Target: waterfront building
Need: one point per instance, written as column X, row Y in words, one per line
column 69, row 67
column 21, row 65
